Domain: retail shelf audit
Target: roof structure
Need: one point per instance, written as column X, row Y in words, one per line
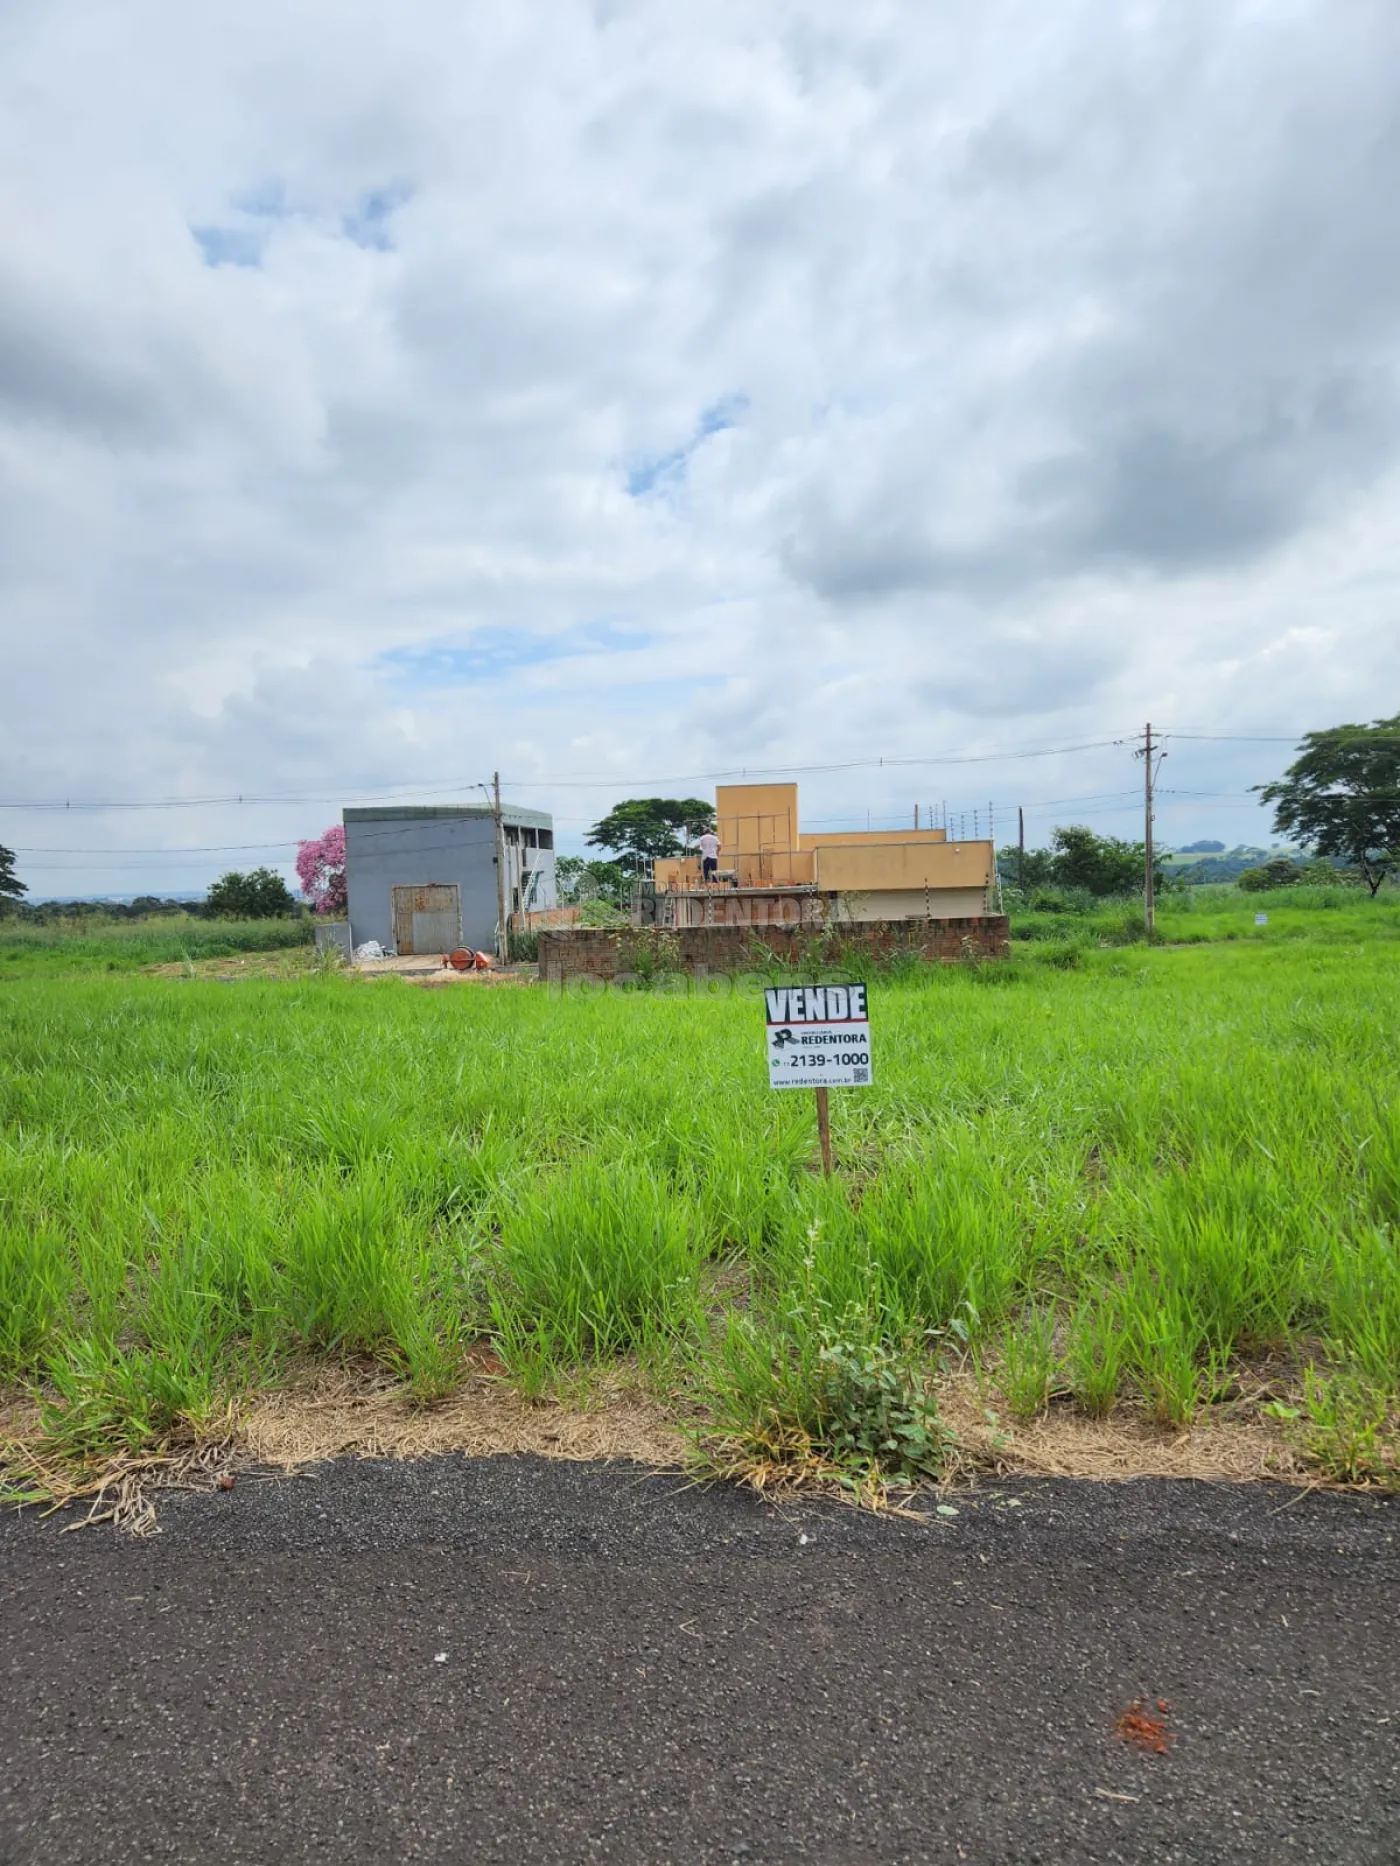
column 422, row 812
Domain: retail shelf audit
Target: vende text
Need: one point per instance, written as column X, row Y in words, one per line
column 817, row 1004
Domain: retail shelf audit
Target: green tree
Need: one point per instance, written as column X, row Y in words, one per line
column 11, row 887
column 645, row 829
column 1038, row 866
column 261, row 894
column 1278, row 873
column 578, row 880
column 1341, row 796
column 1099, row 864
column 1325, row 874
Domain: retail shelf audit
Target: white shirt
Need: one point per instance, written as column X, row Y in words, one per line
column 709, row 846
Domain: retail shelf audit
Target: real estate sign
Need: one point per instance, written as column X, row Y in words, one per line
column 818, row 1036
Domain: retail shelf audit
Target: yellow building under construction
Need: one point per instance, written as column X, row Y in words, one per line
column 772, row 871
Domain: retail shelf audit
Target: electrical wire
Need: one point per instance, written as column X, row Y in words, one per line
column 366, row 835
column 615, row 780
column 579, row 780
column 1105, row 800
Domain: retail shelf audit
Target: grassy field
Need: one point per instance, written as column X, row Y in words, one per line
column 1211, row 914
column 1112, row 1178
column 128, row 945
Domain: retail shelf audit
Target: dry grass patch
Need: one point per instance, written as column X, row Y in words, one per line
column 1065, row 1442
column 343, row 1413
column 323, row 1412
column 287, row 962
column 120, row 1489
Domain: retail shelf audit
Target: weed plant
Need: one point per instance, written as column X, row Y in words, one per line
column 797, row 1387
column 1182, row 1156
column 1074, row 919
column 92, row 945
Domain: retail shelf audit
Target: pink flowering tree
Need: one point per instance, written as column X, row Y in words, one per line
column 321, row 871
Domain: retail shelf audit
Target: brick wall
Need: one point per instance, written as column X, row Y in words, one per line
column 613, row 952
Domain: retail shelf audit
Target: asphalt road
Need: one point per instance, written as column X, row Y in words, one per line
column 513, row 1660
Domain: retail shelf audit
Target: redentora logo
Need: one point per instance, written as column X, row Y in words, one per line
column 817, row 1004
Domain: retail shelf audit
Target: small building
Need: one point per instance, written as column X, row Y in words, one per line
column 421, row 878
column 772, row 872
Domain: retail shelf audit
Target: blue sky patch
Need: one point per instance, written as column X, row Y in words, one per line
column 268, row 201
column 649, row 473
column 493, row 653
column 368, row 223
column 231, row 246
column 242, row 241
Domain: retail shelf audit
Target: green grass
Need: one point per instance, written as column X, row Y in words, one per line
column 87, row 945
column 1191, row 916
column 1112, row 1181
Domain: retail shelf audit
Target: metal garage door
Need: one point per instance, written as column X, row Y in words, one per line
column 427, row 919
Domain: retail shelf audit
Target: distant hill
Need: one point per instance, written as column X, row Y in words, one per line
column 1199, row 869
column 118, row 900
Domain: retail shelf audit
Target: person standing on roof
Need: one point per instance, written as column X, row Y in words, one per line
column 709, row 855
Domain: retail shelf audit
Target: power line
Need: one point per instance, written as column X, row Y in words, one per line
column 615, row 780
column 242, row 799
column 1360, row 734
column 1357, row 796
column 179, row 848
column 748, row 772
column 170, row 854
column 365, row 835
column 579, row 780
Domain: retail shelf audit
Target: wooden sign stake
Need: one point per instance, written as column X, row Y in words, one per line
column 824, row 1127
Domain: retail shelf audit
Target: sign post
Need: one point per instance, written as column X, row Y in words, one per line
column 824, row 1127
column 819, row 1037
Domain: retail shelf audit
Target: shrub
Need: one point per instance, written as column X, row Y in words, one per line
column 806, row 1389
column 1279, row 873
column 814, row 1395
column 259, row 895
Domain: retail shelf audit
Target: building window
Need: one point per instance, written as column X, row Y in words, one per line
column 546, row 838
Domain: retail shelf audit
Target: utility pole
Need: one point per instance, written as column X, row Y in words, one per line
column 502, row 897
column 1149, row 780
column 1149, row 901
column 1021, row 847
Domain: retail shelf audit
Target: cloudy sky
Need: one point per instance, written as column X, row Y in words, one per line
column 620, row 394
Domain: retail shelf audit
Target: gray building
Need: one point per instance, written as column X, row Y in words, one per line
column 421, row 878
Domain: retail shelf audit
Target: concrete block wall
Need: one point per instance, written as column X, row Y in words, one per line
column 385, row 849
column 414, row 846
column 615, row 952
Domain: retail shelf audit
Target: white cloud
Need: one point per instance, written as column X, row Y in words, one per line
column 390, row 397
